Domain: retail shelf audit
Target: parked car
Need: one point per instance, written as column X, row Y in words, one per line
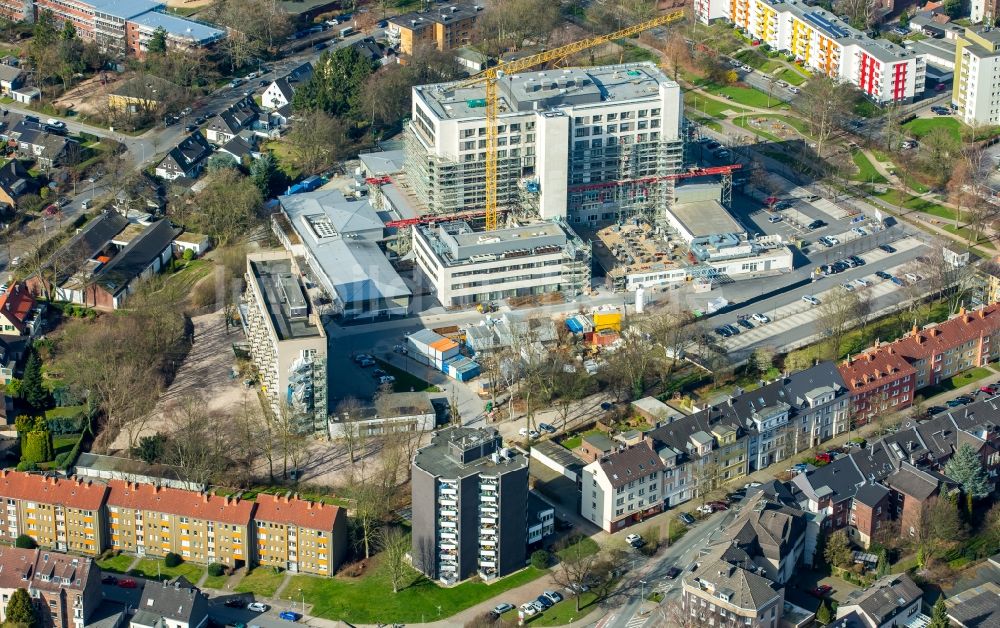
column 545, row 427
column 235, row 602
column 912, row 277
column 127, row 583
column 290, row 615
column 793, row 89
column 502, row 608
column 529, row 609
column 990, row 389
column 712, row 145
column 881, row 274
column 810, row 299
column 887, row 248
column 847, row 286
column 365, row 363
column 523, row 431
column 862, row 282
column 577, row 587
column 816, row 224
column 704, row 509
column 897, row 281
column 191, row 128
column 746, row 68
column 859, row 231
column 258, row 607
column 386, row 379
column 533, row 434
column 377, row 373
column 857, row 260
column 362, row 356
column 822, row 590
column 750, row 485
column 634, row 540
column 717, row 505
column 743, row 322
column 544, row 602
column 554, row 596
column 760, row 318
column 686, row 519
column 672, row 573
column 722, row 331
column 109, row 579
column 773, row 218
column 941, row 111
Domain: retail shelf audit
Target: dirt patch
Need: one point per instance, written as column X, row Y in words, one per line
column 188, row 4
column 89, row 97
column 206, row 376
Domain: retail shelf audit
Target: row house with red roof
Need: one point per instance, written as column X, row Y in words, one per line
column 886, row 377
column 148, row 520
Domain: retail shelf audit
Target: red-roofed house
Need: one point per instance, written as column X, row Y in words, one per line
column 58, row 513
column 19, row 312
column 152, row 520
column 65, row 590
column 299, row 535
column 880, row 380
column 886, row 376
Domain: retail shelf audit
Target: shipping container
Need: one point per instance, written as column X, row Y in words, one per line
column 607, row 320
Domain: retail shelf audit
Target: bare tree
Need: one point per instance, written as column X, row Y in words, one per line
column 835, row 316
column 823, row 102
column 395, row 545
column 506, row 24
column 371, row 505
column 196, row 445
column 706, row 477
column 318, row 140
column 860, row 13
column 576, row 569
column 349, row 411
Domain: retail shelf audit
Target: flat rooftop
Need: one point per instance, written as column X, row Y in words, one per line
column 439, row 457
column 458, row 243
column 548, row 89
column 179, row 27
column 284, row 299
column 125, row 9
column 440, row 14
column 383, row 162
column 705, row 218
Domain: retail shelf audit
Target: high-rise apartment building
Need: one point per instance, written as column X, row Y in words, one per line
column 59, row 514
column 977, row 77
column 287, row 341
column 298, row 535
column 151, row 520
column 561, row 133
column 470, row 506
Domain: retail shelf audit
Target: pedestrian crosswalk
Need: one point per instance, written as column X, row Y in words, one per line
column 637, row 621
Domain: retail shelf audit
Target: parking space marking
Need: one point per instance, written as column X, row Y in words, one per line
column 829, row 208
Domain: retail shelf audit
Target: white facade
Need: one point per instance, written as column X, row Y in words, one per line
column 977, row 81
column 557, row 128
column 824, row 43
column 617, row 489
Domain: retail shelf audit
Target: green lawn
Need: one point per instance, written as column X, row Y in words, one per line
column 283, row 153
column 920, row 127
column 957, row 381
column 370, row 599
column 117, row 564
column 790, row 76
column 746, row 96
column 966, row 235
column 577, row 439
column 929, row 207
column 758, row 61
column 710, row 106
column 565, row 612
column 215, row 582
column 866, row 171
column 405, row 382
column 154, row 569
column 263, row 581
column 586, row 545
column 65, row 412
column 64, row 442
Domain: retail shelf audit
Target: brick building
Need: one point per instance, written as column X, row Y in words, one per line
column 300, row 536
column 65, row 590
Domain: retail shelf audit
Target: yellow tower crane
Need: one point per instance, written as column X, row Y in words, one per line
column 490, row 76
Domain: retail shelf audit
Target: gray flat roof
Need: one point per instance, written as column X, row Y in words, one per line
column 457, row 243
column 359, row 271
column 560, row 454
column 436, row 458
column 549, row 89
column 279, row 286
column 330, row 214
column 705, row 218
column 179, row 27
column 383, row 162
column 125, row 9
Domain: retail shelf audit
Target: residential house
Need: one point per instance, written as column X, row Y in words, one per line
column 886, row 377
column 228, row 123
column 106, row 285
column 892, row 600
column 369, row 49
column 14, row 183
column 912, row 490
column 144, row 94
column 197, row 243
column 770, row 535
column 60, row 514
column 88, row 243
column 978, row 606
column 541, row 519
column 622, row 487
column 595, row 446
column 298, row 535
column 26, row 95
column 47, row 149
column 200, row 527
column 65, row 590
column 11, row 78
column 280, row 92
column 445, row 27
column 727, row 590
column 176, row 604
column 241, row 148
column 186, row 159
column 20, row 314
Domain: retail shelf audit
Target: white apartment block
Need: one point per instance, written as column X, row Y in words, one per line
column 977, row 77
column 560, row 132
column 825, row 43
column 622, row 487
column 287, row 341
column 467, row 266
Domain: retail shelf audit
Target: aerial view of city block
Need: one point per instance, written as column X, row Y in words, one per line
column 496, row 313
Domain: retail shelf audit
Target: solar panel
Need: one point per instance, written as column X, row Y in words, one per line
column 821, row 22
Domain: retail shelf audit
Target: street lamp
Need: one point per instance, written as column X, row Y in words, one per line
column 643, row 596
column 303, row 602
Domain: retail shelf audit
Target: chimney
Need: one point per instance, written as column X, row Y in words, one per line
column 961, row 311
column 204, row 498
column 982, row 313
column 309, row 505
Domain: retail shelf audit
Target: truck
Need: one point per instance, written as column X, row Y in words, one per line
column 347, row 31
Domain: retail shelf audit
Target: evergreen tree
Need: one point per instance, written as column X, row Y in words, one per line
column 158, row 42
column 335, row 86
column 32, row 390
column 823, row 614
column 24, row 541
column 268, row 178
column 838, row 550
column 966, row 468
column 20, row 610
column 68, row 32
column 939, row 617
column 882, row 569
